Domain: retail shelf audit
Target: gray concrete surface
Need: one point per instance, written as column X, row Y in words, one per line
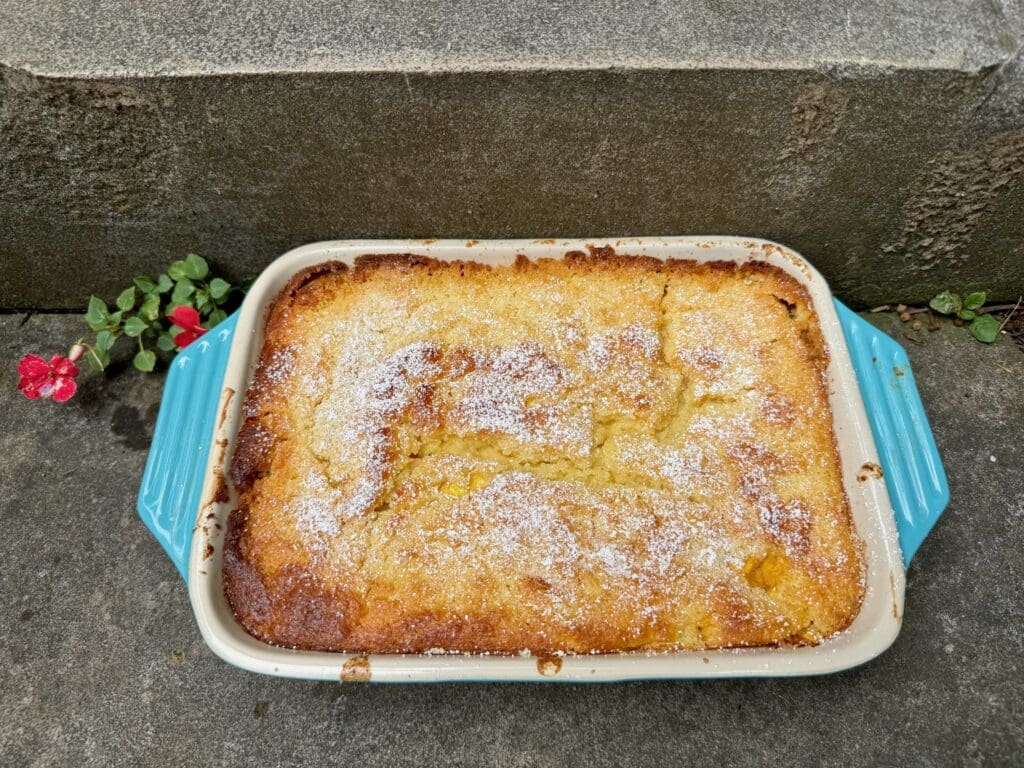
column 127, row 38
column 103, row 664
column 884, row 141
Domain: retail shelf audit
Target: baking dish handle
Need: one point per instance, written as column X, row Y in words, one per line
column 911, row 464
column 173, row 479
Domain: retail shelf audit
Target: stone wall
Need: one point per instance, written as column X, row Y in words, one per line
column 885, row 145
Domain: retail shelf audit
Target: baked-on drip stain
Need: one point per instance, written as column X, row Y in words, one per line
column 549, row 666
column 869, row 471
column 356, row 670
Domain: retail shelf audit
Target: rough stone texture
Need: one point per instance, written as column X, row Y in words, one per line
column 104, row 665
column 885, row 143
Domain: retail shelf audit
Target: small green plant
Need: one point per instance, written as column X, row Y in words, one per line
column 168, row 312
column 970, row 310
column 165, row 313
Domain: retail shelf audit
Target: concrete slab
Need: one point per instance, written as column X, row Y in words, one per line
column 104, row 665
column 121, row 38
column 885, row 141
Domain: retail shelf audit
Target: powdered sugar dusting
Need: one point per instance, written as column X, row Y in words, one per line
column 315, row 507
column 357, row 430
column 720, row 368
column 574, row 463
column 559, row 534
column 689, row 470
column 786, row 522
column 495, row 397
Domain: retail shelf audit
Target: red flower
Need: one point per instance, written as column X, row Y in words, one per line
column 55, row 379
column 187, row 319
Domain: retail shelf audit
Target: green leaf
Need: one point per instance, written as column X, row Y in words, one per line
column 96, row 314
column 91, row 364
column 114, row 320
column 126, row 299
column 985, row 328
column 145, row 284
column 217, row 316
column 135, row 326
column 164, row 283
column 165, row 342
column 946, row 303
column 97, row 359
column 196, row 266
column 150, row 309
column 966, row 314
column 202, row 300
column 219, row 288
column 144, row 360
column 182, row 290
column 177, row 270
column 974, row 300
column 104, row 341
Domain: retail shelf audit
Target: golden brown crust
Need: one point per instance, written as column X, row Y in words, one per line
column 597, row 454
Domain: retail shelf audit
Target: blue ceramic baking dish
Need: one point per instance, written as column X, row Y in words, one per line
column 192, row 406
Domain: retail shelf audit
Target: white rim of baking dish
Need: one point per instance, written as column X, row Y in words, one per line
column 872, row 631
